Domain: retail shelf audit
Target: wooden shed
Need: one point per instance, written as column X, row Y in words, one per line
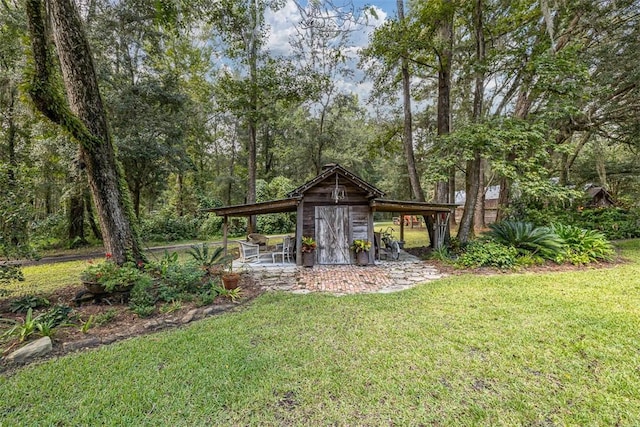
column 337, row 207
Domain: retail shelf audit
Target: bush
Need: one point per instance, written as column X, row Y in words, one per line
column 613, row 223
column 53, row 227
column 167, row 228
column 141, row 300
column 582, row 246
column 487, row 254
column 276, row 223
column 210, row 227
column 526, row 238
column 184, row 278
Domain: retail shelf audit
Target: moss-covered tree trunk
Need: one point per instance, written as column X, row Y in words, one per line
column 83, row 115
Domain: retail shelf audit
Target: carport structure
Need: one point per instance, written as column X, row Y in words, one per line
column 336, row 208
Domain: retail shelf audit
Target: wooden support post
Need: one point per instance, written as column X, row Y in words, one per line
column 299, row 230
column 225, row 230
column 371, row 237
column 402, row 227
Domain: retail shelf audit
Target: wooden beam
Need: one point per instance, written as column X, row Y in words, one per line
column 299, row 229
column 225, row 230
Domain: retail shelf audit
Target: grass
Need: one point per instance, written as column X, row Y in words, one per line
column 521, row 349
column 413, row 237
column 46, row 278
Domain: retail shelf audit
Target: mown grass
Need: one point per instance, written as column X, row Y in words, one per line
column 46, row 278
column 413, row 237
column 520, row 349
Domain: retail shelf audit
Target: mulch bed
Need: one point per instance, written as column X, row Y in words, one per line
column 123, row 323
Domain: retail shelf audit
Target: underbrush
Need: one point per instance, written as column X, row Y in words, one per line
column 512, row 244
column 159, row 286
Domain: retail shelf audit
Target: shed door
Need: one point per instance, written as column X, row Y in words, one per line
column 332, row 234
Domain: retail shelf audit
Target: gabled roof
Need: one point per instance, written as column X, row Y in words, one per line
column 329, row 171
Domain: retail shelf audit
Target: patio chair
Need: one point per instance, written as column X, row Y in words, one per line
column 285, row 250
column 249, row 251
column 258, row 239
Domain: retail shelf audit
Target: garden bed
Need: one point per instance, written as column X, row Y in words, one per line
column 110, row 320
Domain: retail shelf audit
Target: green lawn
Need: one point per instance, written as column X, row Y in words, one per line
column 517, row 349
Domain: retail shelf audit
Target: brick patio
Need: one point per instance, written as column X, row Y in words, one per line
column 384, row 277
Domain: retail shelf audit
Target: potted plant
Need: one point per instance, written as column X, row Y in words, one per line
column 216, row 263
column 308, row 251
column 107, row 276
column 361, row 248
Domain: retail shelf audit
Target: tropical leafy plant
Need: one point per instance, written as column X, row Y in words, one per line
column 21, row 305
column 215, row 261
column 582, row 246
column 526, row 238
column 308, row 244
column 361, row 245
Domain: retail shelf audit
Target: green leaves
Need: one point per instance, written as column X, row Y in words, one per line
column 526, row 238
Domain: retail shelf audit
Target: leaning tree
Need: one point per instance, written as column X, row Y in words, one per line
column 82, row 114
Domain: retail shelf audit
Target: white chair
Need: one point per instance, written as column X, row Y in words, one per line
column 249, row 251
column 285, row 249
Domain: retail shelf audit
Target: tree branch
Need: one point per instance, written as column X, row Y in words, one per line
column 41, row 88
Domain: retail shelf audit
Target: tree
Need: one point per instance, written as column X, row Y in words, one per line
column 84, row 118
column 474, row 173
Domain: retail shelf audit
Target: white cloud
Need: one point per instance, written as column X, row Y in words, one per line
column 282, row 28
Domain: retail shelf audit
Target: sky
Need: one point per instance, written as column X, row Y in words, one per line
column 282, row 24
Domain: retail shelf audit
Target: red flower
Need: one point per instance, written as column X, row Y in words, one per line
column 108, row 255
column 140, row 264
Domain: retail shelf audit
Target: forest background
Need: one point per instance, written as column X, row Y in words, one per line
column 206, row 108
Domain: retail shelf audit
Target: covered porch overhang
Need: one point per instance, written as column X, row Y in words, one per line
column 440, row 211
column 247, row 210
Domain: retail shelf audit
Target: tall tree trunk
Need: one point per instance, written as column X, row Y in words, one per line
column 414, row 179
column 253, row 116
column 478, row 217
column 474, row 166
column 75, row 212
column 86, row 120
column 76, row 219
column 18, row 226
column 180, row 198
column 523, row 105
column 445, row 57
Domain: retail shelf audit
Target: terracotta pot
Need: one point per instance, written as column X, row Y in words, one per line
column 362, row 258
column 230, row 280
column 308, row 259
column 98, row 288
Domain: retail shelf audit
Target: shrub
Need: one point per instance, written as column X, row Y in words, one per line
column 211, row 226
column 613, row 223
column 23, row 304
column 184, row 278
column 167, row 227
column 582, row 246
column 526, row 238
column 276, row 223
column 487, row 254
column 141, row 300
column 113, row 276
column 57, row 315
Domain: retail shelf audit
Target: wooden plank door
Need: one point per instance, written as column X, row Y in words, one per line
column 332, row 234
